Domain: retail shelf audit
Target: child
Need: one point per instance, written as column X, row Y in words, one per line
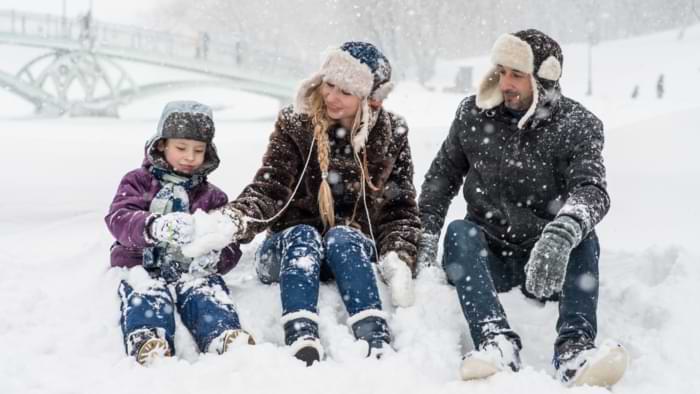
column 150, row 217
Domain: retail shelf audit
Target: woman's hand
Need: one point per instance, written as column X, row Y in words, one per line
column 398, row 276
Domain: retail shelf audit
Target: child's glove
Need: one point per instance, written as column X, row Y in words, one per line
column 399, row 277
column 546, row 269
column 205, row 264
column 174, row 228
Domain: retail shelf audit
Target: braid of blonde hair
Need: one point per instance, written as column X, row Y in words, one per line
column 320, row 123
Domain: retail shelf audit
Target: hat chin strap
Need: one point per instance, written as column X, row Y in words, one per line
column 360, row 139
column 533, row 106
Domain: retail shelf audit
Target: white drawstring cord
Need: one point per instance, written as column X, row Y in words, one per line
column 301, row 177
column 364, row 202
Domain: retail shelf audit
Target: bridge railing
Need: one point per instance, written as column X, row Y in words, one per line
column 90, row 34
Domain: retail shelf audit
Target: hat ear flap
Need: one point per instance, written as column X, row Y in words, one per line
column 301, row 104
column 488, row 95
column 550, row 69
column 383, row 91
column 535, row 101
column 360, row 139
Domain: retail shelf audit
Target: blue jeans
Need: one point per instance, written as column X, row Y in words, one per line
column 479, row 271
column 299, row 258
column 202, row 309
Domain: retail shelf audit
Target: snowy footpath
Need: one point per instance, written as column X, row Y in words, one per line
column 59, row 311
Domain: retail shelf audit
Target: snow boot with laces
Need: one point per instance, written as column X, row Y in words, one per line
column 145, row 345
column 229, row 339
column 301, row 335
column 374, row 330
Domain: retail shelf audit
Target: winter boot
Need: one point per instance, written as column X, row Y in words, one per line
column 229, row 339
column 495, row 354
column 371, row 327
column 578, row 362
column 301, row 335
column 146, row 345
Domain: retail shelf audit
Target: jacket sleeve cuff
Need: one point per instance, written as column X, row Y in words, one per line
column 147, row 229
column 580, row 213
column 229, row 258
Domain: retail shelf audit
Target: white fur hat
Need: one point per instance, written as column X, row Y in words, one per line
column 529, row 51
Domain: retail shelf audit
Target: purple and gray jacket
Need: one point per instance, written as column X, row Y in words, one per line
column 129, row 213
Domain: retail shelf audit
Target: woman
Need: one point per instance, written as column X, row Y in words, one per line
column 335, row 191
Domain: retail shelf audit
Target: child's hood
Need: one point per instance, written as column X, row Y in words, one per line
column 189, row 120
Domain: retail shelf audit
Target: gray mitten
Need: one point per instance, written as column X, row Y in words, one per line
column 546, row 268
column 175, row 228
column 427, row 250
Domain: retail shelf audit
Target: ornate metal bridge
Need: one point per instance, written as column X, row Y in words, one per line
column 80, row 73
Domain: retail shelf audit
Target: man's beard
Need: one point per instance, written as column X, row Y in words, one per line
column 514, row 100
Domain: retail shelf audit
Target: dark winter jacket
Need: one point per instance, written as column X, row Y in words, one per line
column 518, row 180
column 393, row 210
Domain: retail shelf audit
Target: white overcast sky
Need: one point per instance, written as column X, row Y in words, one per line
column 115, row 11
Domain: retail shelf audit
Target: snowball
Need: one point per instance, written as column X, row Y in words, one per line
column 212, row 231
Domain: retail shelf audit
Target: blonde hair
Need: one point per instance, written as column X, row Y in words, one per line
column 321, row 123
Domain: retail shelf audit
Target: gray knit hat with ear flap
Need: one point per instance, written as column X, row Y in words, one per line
column 359, row 68
column 187, row 120
column 529, row 51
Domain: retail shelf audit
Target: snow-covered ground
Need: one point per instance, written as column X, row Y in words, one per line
column 59, row 310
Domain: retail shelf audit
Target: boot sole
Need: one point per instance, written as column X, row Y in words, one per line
column 237, row 338
column 308, row 354
column 477, row 369
column 152, row 349
column 604, row 372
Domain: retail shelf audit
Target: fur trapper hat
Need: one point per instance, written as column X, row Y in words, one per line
column 529, row 51
column 355, row 67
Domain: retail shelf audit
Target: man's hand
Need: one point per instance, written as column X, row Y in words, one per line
column 546, row 269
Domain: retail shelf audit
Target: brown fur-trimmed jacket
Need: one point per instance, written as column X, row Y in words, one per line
column 392, row 209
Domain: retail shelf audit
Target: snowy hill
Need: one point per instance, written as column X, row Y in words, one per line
column 59, row 331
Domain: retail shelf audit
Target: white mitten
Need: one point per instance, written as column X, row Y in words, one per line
column 398, row 276
column 212, row 231
column 175, row 228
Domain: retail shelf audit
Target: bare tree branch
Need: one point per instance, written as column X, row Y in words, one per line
column 695, row 10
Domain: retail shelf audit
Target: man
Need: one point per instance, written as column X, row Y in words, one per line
column 534, row 183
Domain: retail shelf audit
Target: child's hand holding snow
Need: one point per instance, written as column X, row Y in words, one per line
column 212, row 231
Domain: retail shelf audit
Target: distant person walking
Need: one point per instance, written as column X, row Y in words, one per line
column 660, row 86
column 203, row 46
